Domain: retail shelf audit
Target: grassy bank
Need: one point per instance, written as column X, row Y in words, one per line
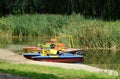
column 91, row 33
column 45, row 72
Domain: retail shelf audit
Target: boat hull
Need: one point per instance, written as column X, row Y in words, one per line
column 32, row 49
column 73, row 50
column 30, row 55
column 61, row 60
column 66, row 58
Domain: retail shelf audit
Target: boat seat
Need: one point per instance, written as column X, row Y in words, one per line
column 60, row 45
column 68, row 54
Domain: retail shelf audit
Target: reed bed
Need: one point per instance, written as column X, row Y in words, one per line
column 92, row 33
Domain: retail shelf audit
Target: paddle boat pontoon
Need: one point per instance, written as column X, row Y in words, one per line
column 53, row 51
column 63, row 57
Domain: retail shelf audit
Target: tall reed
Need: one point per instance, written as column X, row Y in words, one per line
column 86, row 32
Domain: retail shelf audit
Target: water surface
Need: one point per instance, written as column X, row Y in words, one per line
column 109, row 59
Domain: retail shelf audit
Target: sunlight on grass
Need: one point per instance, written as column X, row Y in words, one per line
column 45, row 72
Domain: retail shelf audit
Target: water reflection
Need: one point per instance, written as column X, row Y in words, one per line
column 99, row 58
column 23, row 40
column 102, row 58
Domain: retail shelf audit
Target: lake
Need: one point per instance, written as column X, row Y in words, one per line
column 108, row 59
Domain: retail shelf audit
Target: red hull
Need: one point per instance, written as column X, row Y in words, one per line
column 72, row 50
column 28, row 57
column 27, row 48
column 62, row 60
column 31, row 49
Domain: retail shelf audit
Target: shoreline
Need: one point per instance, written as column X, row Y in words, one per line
column 12, row 57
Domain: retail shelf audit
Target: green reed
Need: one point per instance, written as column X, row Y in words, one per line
column 91, row 33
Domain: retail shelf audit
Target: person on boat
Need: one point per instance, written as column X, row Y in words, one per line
column 49, row 49
column 53, row 48
column 46, row 49
column 56, row 48
column 53, row 51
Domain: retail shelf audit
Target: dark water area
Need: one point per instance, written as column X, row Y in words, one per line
column 102, row 58
column 108, row 59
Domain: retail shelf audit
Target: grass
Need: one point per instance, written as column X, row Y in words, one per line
column 92, row 33
column 46, row 72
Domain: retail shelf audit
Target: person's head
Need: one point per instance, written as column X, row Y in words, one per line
column 52, row 46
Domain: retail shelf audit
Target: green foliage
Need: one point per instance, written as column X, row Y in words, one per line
column 105, row 9
column 4, row 26
column 85, row 32
column 45, row 72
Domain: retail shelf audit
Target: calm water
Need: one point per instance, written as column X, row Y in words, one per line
column 102, row 58
column 98, row 58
